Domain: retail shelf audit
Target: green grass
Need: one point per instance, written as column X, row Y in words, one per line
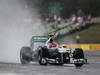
column 89, row 35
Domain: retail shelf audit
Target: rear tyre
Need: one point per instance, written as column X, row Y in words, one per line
column 78, row 54
column 25, row 55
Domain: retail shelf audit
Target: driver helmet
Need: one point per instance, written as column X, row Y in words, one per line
column 51, row 34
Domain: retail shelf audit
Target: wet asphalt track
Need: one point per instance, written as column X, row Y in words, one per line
column 93, row 68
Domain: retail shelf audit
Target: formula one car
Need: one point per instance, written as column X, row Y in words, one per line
column 39, row 52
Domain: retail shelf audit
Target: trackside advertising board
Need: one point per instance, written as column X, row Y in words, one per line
column 84, row 46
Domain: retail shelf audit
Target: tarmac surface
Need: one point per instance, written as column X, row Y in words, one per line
column 92, row 68
column 14, row 14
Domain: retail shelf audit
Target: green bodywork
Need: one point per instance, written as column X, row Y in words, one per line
column 80, row 60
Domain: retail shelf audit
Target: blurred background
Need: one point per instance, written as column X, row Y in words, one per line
column 73, row 21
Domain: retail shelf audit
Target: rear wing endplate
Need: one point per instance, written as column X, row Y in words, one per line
column 38, row 39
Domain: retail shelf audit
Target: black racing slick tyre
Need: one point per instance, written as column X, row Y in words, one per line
column 78, row 65
column 78, row 54
column 41, row 59
column 25, row 55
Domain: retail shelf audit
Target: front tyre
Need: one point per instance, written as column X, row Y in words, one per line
column 78, row 65
column 78, row 54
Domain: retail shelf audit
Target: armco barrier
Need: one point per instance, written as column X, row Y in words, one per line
column 84, row 46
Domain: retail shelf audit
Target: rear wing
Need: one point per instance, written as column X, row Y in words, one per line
column 38, row 40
